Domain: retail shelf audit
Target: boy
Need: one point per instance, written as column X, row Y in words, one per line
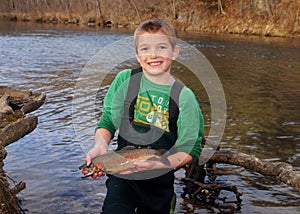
column 150, row 109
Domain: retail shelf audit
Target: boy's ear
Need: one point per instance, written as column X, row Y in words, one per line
column 175, row 52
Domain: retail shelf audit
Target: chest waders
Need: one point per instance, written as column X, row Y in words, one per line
column 142, row 135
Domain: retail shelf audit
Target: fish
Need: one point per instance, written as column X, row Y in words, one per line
column 115, row 162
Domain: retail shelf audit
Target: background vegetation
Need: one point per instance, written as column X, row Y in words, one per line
column 262, row 17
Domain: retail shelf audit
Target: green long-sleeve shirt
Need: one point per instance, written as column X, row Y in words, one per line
column 152, row 107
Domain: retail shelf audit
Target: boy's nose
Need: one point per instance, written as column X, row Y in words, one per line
column 153, row 53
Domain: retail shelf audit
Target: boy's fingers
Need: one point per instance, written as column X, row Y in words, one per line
column 88, row 160
column 96, row 175
column 100, row 174
column 84, row 172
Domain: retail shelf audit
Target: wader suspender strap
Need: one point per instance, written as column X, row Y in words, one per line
column 173, row 106
column 133, row 89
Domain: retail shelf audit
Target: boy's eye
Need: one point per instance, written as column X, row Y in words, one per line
column 144, row 49
column 162, row 47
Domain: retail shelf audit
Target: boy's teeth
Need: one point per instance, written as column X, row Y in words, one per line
column 154, row 63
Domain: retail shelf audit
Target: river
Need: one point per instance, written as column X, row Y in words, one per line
column 260, row 77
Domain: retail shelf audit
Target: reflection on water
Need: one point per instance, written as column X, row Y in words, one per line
column 260, row 77
column 261, row 84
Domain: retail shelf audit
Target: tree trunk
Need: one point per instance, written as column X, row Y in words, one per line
column 220, row 7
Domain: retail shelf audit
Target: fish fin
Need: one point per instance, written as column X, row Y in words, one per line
column 163, row 152
column 164, row 159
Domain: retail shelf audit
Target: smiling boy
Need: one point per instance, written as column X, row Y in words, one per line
column 151, row 109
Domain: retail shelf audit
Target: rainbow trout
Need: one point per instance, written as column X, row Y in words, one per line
column 118, row 161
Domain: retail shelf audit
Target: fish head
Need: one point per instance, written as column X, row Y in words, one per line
column 91, row 169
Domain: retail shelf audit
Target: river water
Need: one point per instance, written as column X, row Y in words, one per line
column 260, row 77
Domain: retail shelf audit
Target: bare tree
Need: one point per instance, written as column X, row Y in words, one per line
column 296, row 25
column 220, row 7
column 174, row 9
column 268, row 7
column 99, row 13
column 136, row 9
column 122, row 9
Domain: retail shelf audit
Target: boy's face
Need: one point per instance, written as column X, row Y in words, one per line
column 155, row 53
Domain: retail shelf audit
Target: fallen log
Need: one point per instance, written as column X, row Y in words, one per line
column 26, row 101
column 283, row 171
column 18, row 129
column 4, row 105
column 9, row 203
column 14, row 104
column 14, row 124
column 200, row 184
column 200, row 178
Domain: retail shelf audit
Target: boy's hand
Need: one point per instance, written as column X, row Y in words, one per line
column 88, row 159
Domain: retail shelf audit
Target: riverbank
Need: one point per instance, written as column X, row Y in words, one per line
column 268, row 18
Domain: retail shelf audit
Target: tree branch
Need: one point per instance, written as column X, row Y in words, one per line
column 284, row 171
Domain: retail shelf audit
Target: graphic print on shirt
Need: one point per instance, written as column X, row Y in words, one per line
column 152, row 109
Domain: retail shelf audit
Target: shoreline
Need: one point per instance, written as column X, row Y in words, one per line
column 257, row 30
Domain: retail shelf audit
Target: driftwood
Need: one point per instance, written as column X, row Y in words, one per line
column 200, row 184
column 283, row 171
column 14, row 124
column 14, row 104
column 4, row 105
column 26, row 101
column 200, row 180
column 17, row 130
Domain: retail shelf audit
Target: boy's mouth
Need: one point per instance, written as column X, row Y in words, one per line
column 157, row 63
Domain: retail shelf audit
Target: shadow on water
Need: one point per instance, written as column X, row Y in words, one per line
column 260, row 77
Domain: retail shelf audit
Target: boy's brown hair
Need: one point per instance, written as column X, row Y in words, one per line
column 153, row 26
